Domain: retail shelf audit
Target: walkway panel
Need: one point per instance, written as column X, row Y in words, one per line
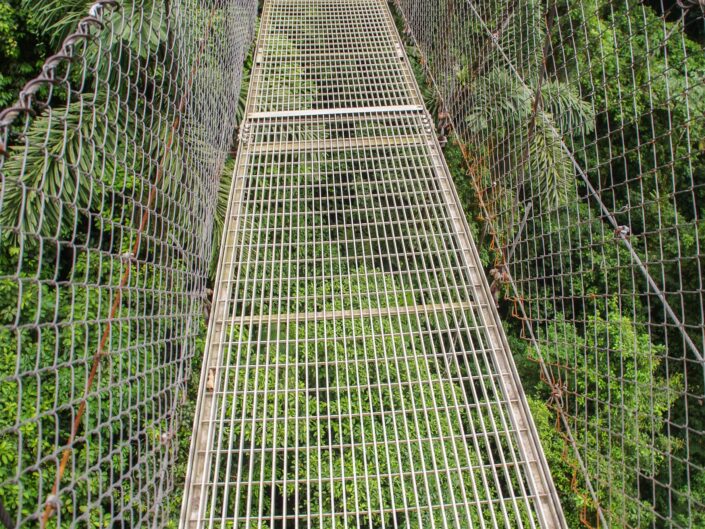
column 356, row 373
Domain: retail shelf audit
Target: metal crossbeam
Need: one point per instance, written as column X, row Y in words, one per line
column 356, row 371
column 386, row 312
column 334, row 111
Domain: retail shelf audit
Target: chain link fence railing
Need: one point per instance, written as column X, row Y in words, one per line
column 583, row 125
column 110, row 164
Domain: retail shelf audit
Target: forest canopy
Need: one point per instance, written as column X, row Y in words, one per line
column 614, row 87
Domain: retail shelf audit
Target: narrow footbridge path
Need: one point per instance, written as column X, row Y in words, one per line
column 356, row 372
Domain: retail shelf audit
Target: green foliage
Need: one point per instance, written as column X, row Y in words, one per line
column 74, row 188
column 560, row 459
column 617, row 388
column 31, row 342
column 288, row 87
column 616, row 384
column 8, row 30
column 527, row 127
column 22, row 45
column 670, row 112
column 325, row 427
column 648, row 150
column 623, row 91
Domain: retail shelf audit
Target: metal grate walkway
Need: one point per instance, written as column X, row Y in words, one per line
column 356, row 373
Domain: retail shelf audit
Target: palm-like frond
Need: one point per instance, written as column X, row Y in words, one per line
column 56, row 18
column 244, row 88
column 550, row 168
column 497, row 99
column 527, row 131
column 521, row 37
column 53, row 169
column 77, row 160
column 569, row 113
column 428, row 91
column 68, row 159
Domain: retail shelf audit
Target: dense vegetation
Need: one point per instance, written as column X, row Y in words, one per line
column 23, row 45
column 369, row 418
column 647, row 384
column 103, row 267
column 622, row 84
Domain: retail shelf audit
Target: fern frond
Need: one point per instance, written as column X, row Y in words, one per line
column 550, row 167
column 568, row 111
column 498, row 102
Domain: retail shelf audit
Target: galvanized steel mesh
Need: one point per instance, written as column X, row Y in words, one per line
column 356, row 372
column 583, row 125
column 110, row 164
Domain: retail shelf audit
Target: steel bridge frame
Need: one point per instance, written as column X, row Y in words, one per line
column 370, row 121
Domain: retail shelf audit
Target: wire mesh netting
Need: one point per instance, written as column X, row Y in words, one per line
column 356, row 372
column 110, row 164
column 583, row 126
column 327, row 55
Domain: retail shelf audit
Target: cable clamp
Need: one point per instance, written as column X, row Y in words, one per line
column 622, row 232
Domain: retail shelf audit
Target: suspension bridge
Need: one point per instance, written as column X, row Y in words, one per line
column 457, row 267
column 349, row 283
